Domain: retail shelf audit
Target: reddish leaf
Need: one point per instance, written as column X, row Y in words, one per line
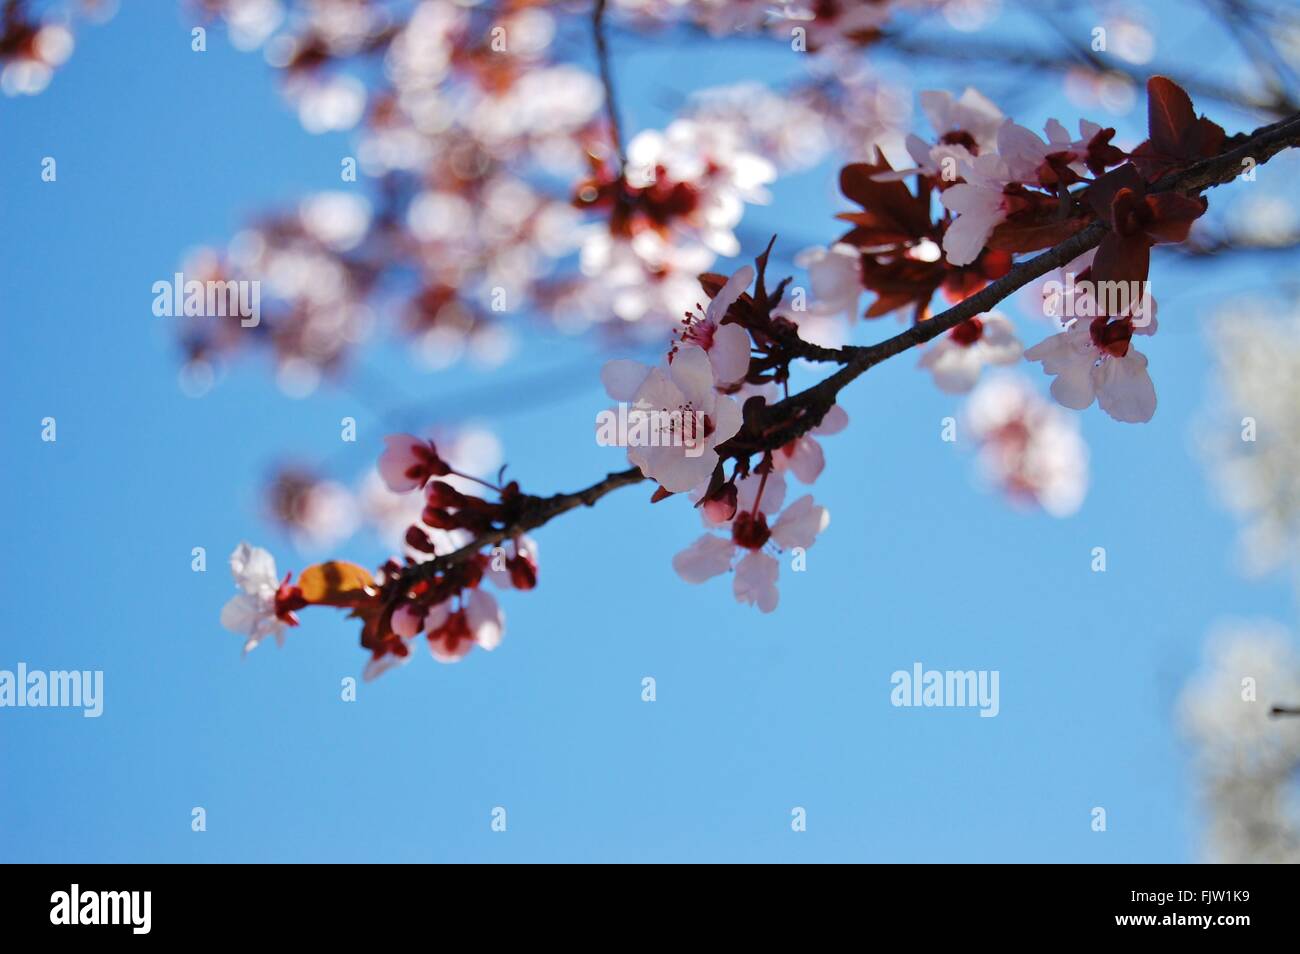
column 336, row 583
column 1169, row 114
column 1032, row 235
column 1174, row 215
column 1102, row 192
column 892, row 214
column 1177, row 136
column 712, row 283
column 1122, row 259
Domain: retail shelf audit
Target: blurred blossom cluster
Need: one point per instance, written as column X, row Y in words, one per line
column 488, row 186
column 318, row 513
column 1252, row 438
column 316, row 268
column 34, row 44
column 1247, row 761
column 825, row 24
column 1028, row 447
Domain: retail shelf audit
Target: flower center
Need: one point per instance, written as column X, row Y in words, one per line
column 1111, row 337
column 960, row 137
column 968, row 332
column 749, row 530
column 1130, row 212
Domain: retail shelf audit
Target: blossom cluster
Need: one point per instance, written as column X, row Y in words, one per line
column 723, row 368
column 447, row 605
column 502, row 182
column 988, row 188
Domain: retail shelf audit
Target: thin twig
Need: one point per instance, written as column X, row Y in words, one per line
column 607, row 79
column 1050, row 61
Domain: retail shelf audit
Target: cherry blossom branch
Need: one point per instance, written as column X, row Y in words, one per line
column 1258, row 146
column 607, row 80
column 533, row 512
column 798, row 414
column 776, row 425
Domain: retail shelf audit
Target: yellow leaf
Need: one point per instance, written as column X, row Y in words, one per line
column 334, row 582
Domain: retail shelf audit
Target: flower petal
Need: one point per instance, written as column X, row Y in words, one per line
column 485, row 619
column 692, row 373
column 622, row 378
column 241, row 614
column 729, row 292
column 704, row 559
column 755, row 581
column 729, row 354
column 1125, row 390
column 799, row 525
column 253, row 569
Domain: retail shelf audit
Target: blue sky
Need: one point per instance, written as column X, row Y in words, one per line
column 160, row 149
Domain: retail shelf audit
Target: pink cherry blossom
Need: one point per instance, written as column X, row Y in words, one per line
column 684, row 392
column 981, row 205
column 726, row 345
column 755, row 581
column 966, row 127
column 479, row 621
column 1022, row 152
column 1090, row 363
column 832, row 27
column 957, row 358
column 704, row 559
column 756, row 572
column 1046, row 298
column 835, row 277
column 973, row 114
column 800, row 523
column 487, row 621
column 408, row 463
column 756, row 495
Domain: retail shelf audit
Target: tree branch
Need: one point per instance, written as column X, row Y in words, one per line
column 607, row 79
column 1080, row 55
column 793, row 417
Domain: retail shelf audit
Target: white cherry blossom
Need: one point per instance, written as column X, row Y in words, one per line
column 957, row 358
column 686, row 393
column 756, row 572
column 251, row 613
column 1086, row 369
